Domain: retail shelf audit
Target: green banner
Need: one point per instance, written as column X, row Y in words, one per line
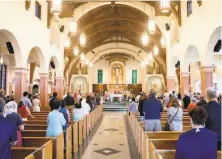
column 134, row 76
column 100, row 76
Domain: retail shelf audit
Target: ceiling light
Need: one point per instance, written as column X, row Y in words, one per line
column 165, row 5
column 150, row 56
column 90, row 64
column 146, row 62
column 82, row 56
column 76, row 50
column 155, row 50
column 56, row 7
column 142, row 64
column 151, row 25
column 145, row 38
column 86, row 62
column 82, row 39
column 67, row 43
column 73, row 26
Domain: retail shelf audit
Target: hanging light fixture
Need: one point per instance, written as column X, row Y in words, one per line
column 56, row 7
column 155, row 50
column 82, row 39
column 151, row 25
column 165, row 5
column 146, row 62
column 82, row 56
column 150, row 56
column 76, row 50
column 73, row 26
column 86, row 62
column 67, row 43
column 145, row 38
column 1, row 60
column 142, row 64
column 90, row 64
column 163, row 42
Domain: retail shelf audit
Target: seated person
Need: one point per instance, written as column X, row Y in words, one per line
column 65, row 113
column 23, row 110
column 132, row 106
column 78, row 113
column 85, row 106
column 56, row 120
column 201, row 141
column 7, row 137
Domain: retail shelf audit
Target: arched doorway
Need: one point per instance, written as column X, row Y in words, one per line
column 35, row 89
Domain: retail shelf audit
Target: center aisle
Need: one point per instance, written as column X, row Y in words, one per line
column 111, row 139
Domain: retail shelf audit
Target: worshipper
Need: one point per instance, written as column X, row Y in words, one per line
column 186, row 101
column 69, row 99
column 179, row 96
column 78, row 113
column 2, row 104
column 85, row 106
column 202, row 142
column 140, row 106
column 152, row 109
column 219, row 98
column 214, row 115
column 79, row 96
column 10, row 114
column 175, row 115
column 30, row 97
column 89, row 101
column 174, row 94
column 202, row 102
column 54, row 97
column 26, row 100
column 98, row 99
column 132, row 106
column 8, row 137
column 2, row 95
column 94, row 101
column 137, row 98
column 56, row 120
column 166, row 100
column 23, row 110
column 65, row 113
column 36, row 103
column 192, row 104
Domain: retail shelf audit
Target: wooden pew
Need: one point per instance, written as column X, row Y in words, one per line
column 23, row 152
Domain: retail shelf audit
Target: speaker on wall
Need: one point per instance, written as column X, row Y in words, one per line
column 167, row 26
column 177, row 64
column 52, row 64
column 217, row 47
column 9, row 47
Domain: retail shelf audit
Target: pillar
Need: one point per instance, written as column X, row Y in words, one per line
column 30, row 88
column 184, row 83
column 59, row 87
column 52, row 89
column 20, row 82
column 44, row 77
column 206, row 75
column 171, row 85
column 10, row 88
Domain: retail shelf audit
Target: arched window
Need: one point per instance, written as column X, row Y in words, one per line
column 3, row 76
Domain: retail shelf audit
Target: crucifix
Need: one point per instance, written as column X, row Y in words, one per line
column 117, row 73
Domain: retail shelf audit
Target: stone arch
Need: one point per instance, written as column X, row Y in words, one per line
column 36, row 56
column 155, row 82
column 80, row 83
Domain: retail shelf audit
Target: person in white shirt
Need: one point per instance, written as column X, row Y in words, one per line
column 85, row 106
column 137, row 98
column 36, row 103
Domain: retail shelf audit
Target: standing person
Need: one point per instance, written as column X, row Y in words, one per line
column 98, row 99
column 174, row 94
column 2, row 104
column 192, row 104
column 26, row 100
column 152, row 109
column 179, row 96
column 54, row 97
column 36, row 103
column 140, row 106
column 23, row 110
column 186, row 101
column 65, row 113
column 214, row 115
column 166, row 100
column 69, row 100
column 8, row 138
column 201, row 141
column 56, row 120
column 175, row 115
column 10, row 114
column 137, row 98
column 132, row 106
column 2, row 95
column 202, row 102
column 79, row 96
column 15, row 106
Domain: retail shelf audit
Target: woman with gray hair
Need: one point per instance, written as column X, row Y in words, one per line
column 214, row 114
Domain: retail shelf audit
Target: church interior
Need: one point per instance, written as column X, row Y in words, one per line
column 107, row 55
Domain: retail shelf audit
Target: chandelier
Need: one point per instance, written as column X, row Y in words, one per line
column 145, row 38
column 165, row 6
column 150, row 56
column 146, row 62
column 142, row 64
column 86, row 62
column 67, row 43
column 76, row 50
column 90, row 64
column 151, row 25
column 82, row 56
column 163, row 42
column 155, row 50
column 73, row 26
column 56, row 7
column 82, row 39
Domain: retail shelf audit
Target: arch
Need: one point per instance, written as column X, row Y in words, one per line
column 7, row 36
column 36, row 56
column 155, row 82
column 35, row 89
column 80, row 83
column 191, row 55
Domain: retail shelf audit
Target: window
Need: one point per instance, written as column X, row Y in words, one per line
column 189, row 7
column 37, row 10
column 134, row 76
column 3, row 76
column 100, row 76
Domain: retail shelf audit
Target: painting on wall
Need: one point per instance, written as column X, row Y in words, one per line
column 155, row 83
column 80, row 83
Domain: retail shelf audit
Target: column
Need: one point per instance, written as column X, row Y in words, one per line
column 206, row 75
column 184, row 83
column 52, row 89
column 10, row 88
column 20, row 82
column 171, row 85
column 59, row 87
column 44, row 77
column 30, row 88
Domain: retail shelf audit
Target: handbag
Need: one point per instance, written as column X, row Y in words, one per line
column 166, row 126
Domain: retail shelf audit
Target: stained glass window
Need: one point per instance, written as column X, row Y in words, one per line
column 100, row 76
column 134, row 76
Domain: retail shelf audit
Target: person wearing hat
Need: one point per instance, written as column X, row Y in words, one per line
column 36, row 103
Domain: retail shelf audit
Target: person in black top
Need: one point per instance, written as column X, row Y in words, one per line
column 140, row 106
column 179, row 96
column 186, row 101
column 69, row 100
column 214, row 115
column 52, row 100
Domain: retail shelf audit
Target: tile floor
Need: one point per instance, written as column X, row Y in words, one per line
column 112, row 139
